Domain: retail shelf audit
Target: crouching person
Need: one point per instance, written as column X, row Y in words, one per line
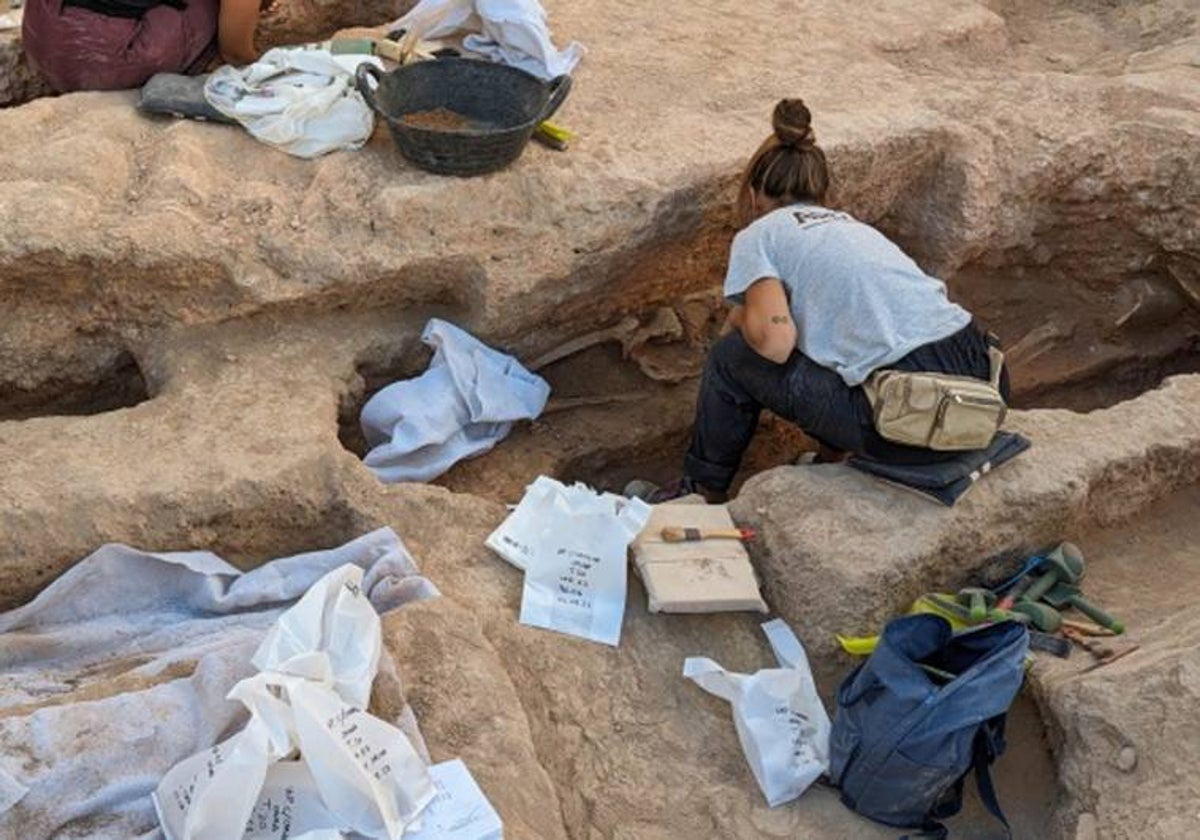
column 115, row 44
column 821, row 301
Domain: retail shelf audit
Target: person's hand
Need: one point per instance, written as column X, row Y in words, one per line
column 235, row 31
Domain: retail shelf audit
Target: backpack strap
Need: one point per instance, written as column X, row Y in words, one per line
column 989, row 744
column 996, row 367
column 986, row 748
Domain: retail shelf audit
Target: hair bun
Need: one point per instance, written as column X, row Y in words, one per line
column 792, row 122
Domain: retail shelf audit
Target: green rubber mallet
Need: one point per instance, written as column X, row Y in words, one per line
column 1063, row 595
column 1045, row 618
column 1064, row 564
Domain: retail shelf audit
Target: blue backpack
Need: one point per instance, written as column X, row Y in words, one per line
column 925, row 709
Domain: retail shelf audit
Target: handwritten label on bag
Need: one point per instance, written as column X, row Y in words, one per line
column 577, row 590
column 460, row 811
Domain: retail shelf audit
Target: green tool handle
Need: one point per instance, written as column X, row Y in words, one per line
column 1041, row 586
column 1096, row 614
column 954, row 608
column 979, row 608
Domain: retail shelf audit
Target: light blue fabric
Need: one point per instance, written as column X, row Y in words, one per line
column 859, row 302
column 462, row 406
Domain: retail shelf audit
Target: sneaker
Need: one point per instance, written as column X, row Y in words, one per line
column 653, row 494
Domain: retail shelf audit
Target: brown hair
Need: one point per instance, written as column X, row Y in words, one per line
column 789, row 166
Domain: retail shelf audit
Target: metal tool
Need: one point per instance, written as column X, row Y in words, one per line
column 1104, row 654
column 950, row 607
column 1087, row 628
column 1016, row 593
column 1047, row 643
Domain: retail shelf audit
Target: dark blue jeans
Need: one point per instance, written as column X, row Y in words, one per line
column 738, row 384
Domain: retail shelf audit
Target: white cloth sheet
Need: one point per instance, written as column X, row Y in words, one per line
column 120, row 668
column 302, row 101
column 512, row 32
column 462, row 406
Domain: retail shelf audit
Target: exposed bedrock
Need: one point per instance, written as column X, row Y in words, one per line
column 190, row 321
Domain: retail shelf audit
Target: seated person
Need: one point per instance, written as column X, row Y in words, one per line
column 821, row 301
column 115, row 44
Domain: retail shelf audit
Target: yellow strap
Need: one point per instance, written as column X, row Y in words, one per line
column 858, row 645
column 864, row 645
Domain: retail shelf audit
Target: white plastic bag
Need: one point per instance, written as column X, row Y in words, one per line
column 781, row 724
column 356, row 772
column 572, row 543
column 302, row 101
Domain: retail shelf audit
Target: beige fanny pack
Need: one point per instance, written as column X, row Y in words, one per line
column 936, row 410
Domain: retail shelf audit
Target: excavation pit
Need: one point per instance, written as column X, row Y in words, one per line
column 609, row 423
column 1040, row 157
column 116, row 383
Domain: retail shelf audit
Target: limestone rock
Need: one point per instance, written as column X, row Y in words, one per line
column 1140, row 709
column 18, row 81
column 891, row 546
column 461, row 693
column 1040, row 157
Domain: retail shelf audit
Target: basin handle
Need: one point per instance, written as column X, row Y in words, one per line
column 559, row 87
column 363, row 75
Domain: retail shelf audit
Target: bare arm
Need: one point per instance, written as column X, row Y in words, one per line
column 766, row 321
column 235, row 30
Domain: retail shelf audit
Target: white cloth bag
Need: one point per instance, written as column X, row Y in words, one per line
column 781, row 724
column 573, row 544
column 512, row 32
column 462, row 406
column 355, row 772
column 302, row 101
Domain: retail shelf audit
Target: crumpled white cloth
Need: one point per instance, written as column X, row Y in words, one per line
column 302, row 101
column 462, row 406
column 119, row 669
column 511, row 32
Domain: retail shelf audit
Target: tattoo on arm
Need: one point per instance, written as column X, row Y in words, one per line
column 780, row 319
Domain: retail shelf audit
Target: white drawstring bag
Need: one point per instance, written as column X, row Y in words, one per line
column 781, row 724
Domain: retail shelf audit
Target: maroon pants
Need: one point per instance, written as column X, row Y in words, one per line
column 78, row 49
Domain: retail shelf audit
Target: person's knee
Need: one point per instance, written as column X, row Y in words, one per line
column 728, row 354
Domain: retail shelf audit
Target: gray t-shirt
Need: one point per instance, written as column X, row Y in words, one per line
column 860, row 303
